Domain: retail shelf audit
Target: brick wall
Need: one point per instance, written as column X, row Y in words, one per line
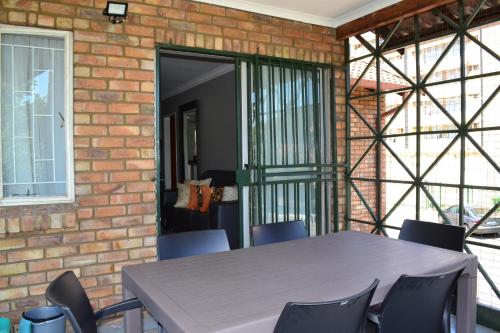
column 112, row 222
column 367, row 107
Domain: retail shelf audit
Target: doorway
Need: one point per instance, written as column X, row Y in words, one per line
column 197, row 131
column 285, row 141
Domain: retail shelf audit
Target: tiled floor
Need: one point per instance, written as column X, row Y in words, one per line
column 151, row 327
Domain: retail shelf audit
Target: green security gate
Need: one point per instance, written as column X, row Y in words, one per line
column 429, row 151
column 288, row 159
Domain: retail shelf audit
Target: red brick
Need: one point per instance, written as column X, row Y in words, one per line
column 108, row 96
column 84, row 59
column 45, row 265
column 139, row 53
column 90, row 130
column 112, row 256
column 140, row 164
column 110, row 211
column 107, row 165
column 107, row 72
column 235, row 33
column 87, row 36
column 124, row 198
column 27, row 279
column 172, row 13
column 123, row 62
column 124, row 85
column 79, row 237
column 89, row 107
column 93, row 200
column 124, row 130
column 140, row 142
column 142, row 9
column 95, row 247
column 107, row 142
column 139, row 97
column 123, row 176
column 123, row 108
column 96, row 224
column 46, row 21
column 111, row 234
column 109, row 188
column 98, row 269
column 107, row 119
column 89, row 83
column 140, row 186
column 137, row 30
column 55, row 8
column 148, row 230
column 139, row 75
column 154, row 21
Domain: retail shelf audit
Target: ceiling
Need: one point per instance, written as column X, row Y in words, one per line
column 181, row 74
column 322, row 12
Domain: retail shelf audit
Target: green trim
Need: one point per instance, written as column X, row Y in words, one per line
column 158, row 163
column 235, row 55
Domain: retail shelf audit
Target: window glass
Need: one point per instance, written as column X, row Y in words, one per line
column 33, row 117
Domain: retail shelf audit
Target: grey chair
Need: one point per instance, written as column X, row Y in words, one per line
column 414, row 304
column 346, row 315
column 278, row 232
column 67, row 293
column 445, row 236
column 192, row 243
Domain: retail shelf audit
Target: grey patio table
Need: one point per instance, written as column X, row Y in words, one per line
column 245, row 290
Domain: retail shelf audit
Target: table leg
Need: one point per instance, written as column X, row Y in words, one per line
column 466, row 303
column 132, row 319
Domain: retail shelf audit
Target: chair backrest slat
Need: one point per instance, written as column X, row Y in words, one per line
column 192, row 243
column 346, row 315
column 67, row 293
column 445, row 236
column 278, row 232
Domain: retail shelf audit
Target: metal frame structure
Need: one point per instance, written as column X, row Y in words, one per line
column 290, row 109
column 462, row 132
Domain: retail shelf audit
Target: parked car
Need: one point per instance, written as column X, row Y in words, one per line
column 473, row 216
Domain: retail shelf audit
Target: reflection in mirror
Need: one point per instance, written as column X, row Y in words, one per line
column 189, row 119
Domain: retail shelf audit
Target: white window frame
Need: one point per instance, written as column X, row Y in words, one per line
column 68, row 117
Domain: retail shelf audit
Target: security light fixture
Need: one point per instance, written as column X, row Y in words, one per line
column 116, row 11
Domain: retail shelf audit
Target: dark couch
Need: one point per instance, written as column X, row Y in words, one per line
column 220, row 215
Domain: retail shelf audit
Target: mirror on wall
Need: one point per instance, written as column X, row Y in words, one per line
column 189, row 116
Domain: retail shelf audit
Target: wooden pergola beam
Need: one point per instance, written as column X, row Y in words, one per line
column 388, row 15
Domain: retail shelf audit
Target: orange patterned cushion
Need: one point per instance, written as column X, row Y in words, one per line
column 206, row 194
column 193, row 197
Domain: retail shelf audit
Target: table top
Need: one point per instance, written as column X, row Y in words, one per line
column 245, row 290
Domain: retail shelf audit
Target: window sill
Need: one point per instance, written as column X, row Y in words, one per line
column 24, row 201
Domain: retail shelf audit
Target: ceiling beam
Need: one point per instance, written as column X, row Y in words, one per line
column 388, row 15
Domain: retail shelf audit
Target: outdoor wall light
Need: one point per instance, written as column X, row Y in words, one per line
column 116, row 11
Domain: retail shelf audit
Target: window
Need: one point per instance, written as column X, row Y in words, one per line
column 35, row 116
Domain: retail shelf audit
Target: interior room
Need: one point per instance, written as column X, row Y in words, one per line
column 198, row 138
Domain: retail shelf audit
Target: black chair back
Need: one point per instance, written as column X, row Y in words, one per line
column 416, row 304
column 67, row 293
column 192, row 243
column 445, row 236
column 342, row 316
column 278, row 232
